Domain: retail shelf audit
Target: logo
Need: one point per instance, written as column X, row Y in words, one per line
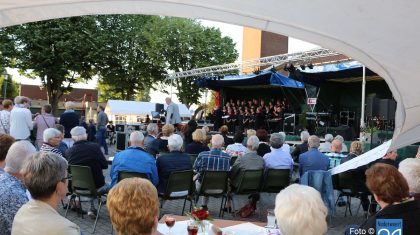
column 389, row 227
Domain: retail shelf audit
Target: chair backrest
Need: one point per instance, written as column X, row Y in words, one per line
column 214, row 180
column 346, row 180
column 233, row 160
column 276, row 180
column 179, row 181
column 193, row 158
column 82, row 180
column 125, row 174
column 250, row 181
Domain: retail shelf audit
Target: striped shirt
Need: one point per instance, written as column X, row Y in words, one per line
column 335, row 159
column 213, row 160
column 48, row 148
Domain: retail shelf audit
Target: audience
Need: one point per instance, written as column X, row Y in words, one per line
column 150, row 143
column 62, row 146
column 5, row 117
column 277, row 158
column 391, row 191
column 42, row 122
column 191, row 127
column 133, row 206
column 69, row 119
column 5, row 142
column 197, row 146
column 389, row 158
column 344, row 146
column 249, row 133
column 52, row 139
column 326, row 146
column 312, row 159
column 89, row 154
column 12, row 190
column 91, row 131
column 236, row 149
column 335, row 155
column 263, row 148
column 173, row 161
column 45, row 176
column 162, row 142
column 410, row 169
column 214, row 160
column 134, row 159
column 285, row 147
column 356, row 149
column 300, row 210
column 301, row 148
column 224, row 131
column 21, row 119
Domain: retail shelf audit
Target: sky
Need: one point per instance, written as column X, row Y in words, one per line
column 232, row 31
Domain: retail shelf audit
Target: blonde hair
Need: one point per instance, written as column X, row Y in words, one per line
column 198, row 136
column 250, row 132
column 300, row 210
column 356, row 147
column 133, row 206
column 168, row 129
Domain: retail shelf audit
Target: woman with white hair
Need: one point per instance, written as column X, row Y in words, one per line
column 410, row 169
column 45, row 175
column 300, row 210
column 326, row 146
column 52, row 139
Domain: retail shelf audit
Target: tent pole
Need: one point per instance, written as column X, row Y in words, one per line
column 362, row 116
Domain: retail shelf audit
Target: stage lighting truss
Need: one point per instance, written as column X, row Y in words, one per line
column 273, row 61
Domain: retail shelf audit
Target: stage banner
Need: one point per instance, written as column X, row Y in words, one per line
column 363, row 159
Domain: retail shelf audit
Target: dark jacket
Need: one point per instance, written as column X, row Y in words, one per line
column 227, row 140
column 91, row 132
column 196, row 148
column 409, row 212
column 167, row 163
column 358, row 174
column 313, row 160
column 387, row 161
column 151, row 145
column 263, row 148
column 89, row 154
column 69, row 119
column 300, row 148
column 162, row 145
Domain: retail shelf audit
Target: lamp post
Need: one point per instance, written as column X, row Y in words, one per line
column 5, row 81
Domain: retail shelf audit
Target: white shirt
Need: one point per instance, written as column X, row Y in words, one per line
column 325, row 147
column 4, row 122
column 236, row 149
column 285, row 148
column 20, row 123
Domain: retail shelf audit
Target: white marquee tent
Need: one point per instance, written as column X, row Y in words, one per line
column 382, row 34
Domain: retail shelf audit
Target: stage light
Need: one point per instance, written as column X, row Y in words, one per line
column 310, row 66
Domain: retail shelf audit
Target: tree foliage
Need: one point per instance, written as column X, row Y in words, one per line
column 12, row 88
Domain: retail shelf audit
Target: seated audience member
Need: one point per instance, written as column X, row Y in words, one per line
column 250, row 161
column 356, row 149
column 62, row 146
column 313, row 159
column 89, row 154
column 249, row 133
column 344, row 146
column 277, row 158
column 300, row 210
column 197, row 146
column 150, row 143
column 285, row 147
column 191, row 127
column 173, row 161
column 264, row 147
column 389, row 158
column 52, row 139
column 410, row 169
column 12, row 190
column 236, row 149
column 224, row 131
column 5, row 142
column 134, row 159
column 162, row 142
column 45, row 176
column 42, row 122
column 326, row 146
column 214, row 160
column 301, row 148
column 133, row 206
column 335, row 155
column 391, row 191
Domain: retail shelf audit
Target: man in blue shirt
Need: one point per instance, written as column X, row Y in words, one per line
column 135, row 159
column 277, row 158
column 313, row 159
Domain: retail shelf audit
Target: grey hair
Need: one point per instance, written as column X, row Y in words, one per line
column 329, row 138
column 340, row 138
column 304, row 136
column 175, row 142
column 78, row 133
column 42, row 172
column 253, row 143
column 50, row 133
column 217, row 140
column 152, row 128
column 69, row 105
column 21, row 99
column 410, row 169
column 283, row 134
column 17, row 155
column 276, row 140
column 136, row 136
column 313, row 141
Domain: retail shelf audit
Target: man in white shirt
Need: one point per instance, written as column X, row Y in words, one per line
column 21, row 119
column 5, row 117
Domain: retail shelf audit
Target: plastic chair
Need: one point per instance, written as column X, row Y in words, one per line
column 83, row 185
column 214, row 184
column 249, row 183
column 125, row 174
column 179, row 181
column 275, row 180
column 347, row 188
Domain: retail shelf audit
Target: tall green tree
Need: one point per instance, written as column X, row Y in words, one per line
column 183, row 44
column 12, row 88
column 59, row 52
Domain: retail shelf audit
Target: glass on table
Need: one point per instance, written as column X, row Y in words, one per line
column 192, row 228
column 271, row 219
column 170, row 222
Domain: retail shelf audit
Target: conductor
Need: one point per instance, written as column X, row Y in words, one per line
column 172, row 112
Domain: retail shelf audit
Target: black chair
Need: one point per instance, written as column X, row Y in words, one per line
column 275, row 180
column 233, row 160
column 214, row 184
column 180, row 186
column 193, row 158
column 126, row 174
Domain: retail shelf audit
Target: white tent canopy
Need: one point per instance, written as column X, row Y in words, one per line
column 123, row 107
column 380, row 34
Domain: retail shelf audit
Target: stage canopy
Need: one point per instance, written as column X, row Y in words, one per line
column 379, row 34
column 260, row 80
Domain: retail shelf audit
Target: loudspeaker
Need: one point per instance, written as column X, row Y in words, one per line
column 387, row 109
column 121, row 141
column 289, row 123
column 159, row 107
column 392, row 107
column 372, row 106
column 345, row 131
